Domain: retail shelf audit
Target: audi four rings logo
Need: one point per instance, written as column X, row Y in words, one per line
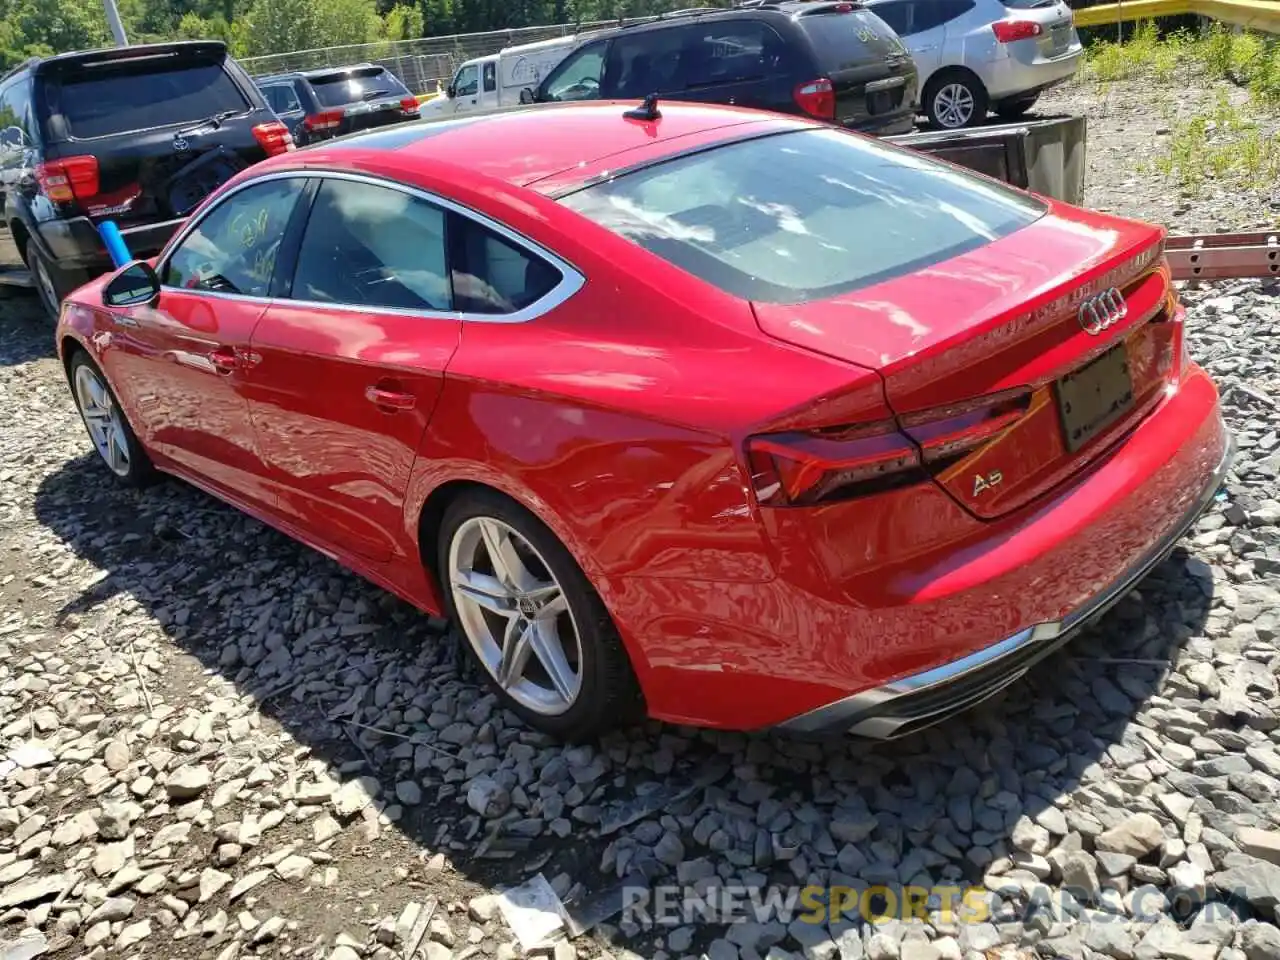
column 1101, row 311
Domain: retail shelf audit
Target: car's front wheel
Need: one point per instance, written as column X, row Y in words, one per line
column 955, row 99
column 532, row 620
column 105, row 421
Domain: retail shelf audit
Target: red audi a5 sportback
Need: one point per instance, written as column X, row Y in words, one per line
column 733, row 418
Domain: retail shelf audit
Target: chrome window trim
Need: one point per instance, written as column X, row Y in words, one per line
column 571, row 279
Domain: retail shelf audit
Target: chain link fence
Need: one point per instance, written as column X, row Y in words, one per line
column 424, row 66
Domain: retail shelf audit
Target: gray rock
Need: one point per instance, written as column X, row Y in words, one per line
column 1260, row 941
column 187, row 782
column 1136, row 836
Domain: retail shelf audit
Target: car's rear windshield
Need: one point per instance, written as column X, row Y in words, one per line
column 849, row 39
column 124, row 97
column 357, row 86
column 806, row 215
column 1028, row 4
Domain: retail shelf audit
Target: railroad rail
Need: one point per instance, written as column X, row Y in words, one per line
column 1261, row 15
column 1224, row 256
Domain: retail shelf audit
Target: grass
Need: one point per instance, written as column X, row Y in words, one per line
column 1236, row 146
column 1249, row 59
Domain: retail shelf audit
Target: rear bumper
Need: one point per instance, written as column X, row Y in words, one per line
column 1010, row 78
column 868, row 604
column 885, row 125
column 912, row 703
column 75, row 243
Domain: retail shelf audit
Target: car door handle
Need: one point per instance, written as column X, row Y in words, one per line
column 225, row 360
column 390, row 399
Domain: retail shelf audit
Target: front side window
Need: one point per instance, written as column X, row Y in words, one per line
column 578, row 77
column 806, row 215
column 467, row 82
column 233, row 248
column 283, row 98
column 492, row 275
column 368, row 245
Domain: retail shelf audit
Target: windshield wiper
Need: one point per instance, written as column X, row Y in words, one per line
column 214, row 121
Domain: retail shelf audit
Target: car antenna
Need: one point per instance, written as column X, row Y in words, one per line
column 646, row 111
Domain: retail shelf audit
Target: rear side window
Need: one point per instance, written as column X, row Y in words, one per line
column 910, row 17
column 731, row 52
column 339, row 89
column 367, row 245
column 849, row 39
column 490, row 77
column 98, row 101
column 491, row 275
column 805, row 216
column 282, row 97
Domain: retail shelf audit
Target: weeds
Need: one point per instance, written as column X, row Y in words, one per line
column 1227, row 146
column 1249, row 59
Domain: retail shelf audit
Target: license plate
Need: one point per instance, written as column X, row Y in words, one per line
column 1094, row 397
column 1060, row 36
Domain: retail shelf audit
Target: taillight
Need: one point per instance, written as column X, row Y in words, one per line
column 1008, row 31
column 325, row 120
column 274, row 137
column 817, row 98
column 409, row 104
column 841, row 463
column 68, row 179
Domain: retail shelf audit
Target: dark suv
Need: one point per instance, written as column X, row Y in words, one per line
column 319, row 104
column 139, row 135
column 833, row 60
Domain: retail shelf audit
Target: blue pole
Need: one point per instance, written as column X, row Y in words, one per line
column 115, row 244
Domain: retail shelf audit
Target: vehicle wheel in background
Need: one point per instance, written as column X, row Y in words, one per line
column 532, row 619
column 51, row 281
column 954, row 99
column 110, row 432
column 1015, row 109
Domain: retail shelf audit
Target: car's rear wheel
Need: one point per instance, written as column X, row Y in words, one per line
column 105, row 421
column 532, row 620
column 52, row 282
column 1015, row 109
column 955, row 99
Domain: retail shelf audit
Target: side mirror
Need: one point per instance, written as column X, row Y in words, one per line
column 136, row 284
column 451, row 91
column 526, row 96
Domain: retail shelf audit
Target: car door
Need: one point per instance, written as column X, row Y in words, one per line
column 925, row 30
column 183, row 359
column 351, row 360
column 739, row 62
column 466, row 88
column 488, row 84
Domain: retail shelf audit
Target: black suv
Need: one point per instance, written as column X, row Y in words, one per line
column 319, row 104
column 833, row 60
column 139, row 135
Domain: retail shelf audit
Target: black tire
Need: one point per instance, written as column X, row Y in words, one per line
column 1015, row 109
column 140, row 471
column 52, row 288
column 609, row 694
column 955, row 87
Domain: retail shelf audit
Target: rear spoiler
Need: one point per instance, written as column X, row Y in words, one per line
column 180, row 50
column 1044, row 156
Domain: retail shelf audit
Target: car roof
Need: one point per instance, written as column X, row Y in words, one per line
column 194, row 48
column 561, row 146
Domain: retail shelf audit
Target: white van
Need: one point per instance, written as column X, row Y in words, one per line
column 498, row 79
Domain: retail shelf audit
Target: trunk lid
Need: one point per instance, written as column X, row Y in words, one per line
column 1056, row 26
column 1010, row 325
column 165, row 129
column 870, row 69
column 368, row 97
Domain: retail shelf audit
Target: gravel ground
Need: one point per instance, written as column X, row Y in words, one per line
column 216, row 743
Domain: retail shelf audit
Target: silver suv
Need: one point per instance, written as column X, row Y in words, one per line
column 976, row 56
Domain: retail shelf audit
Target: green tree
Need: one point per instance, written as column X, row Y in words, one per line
column 41, row 27
column 402, row 23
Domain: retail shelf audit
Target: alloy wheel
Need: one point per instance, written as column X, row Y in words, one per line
column 102, row 417
column 515, row 615
column 953, row 104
